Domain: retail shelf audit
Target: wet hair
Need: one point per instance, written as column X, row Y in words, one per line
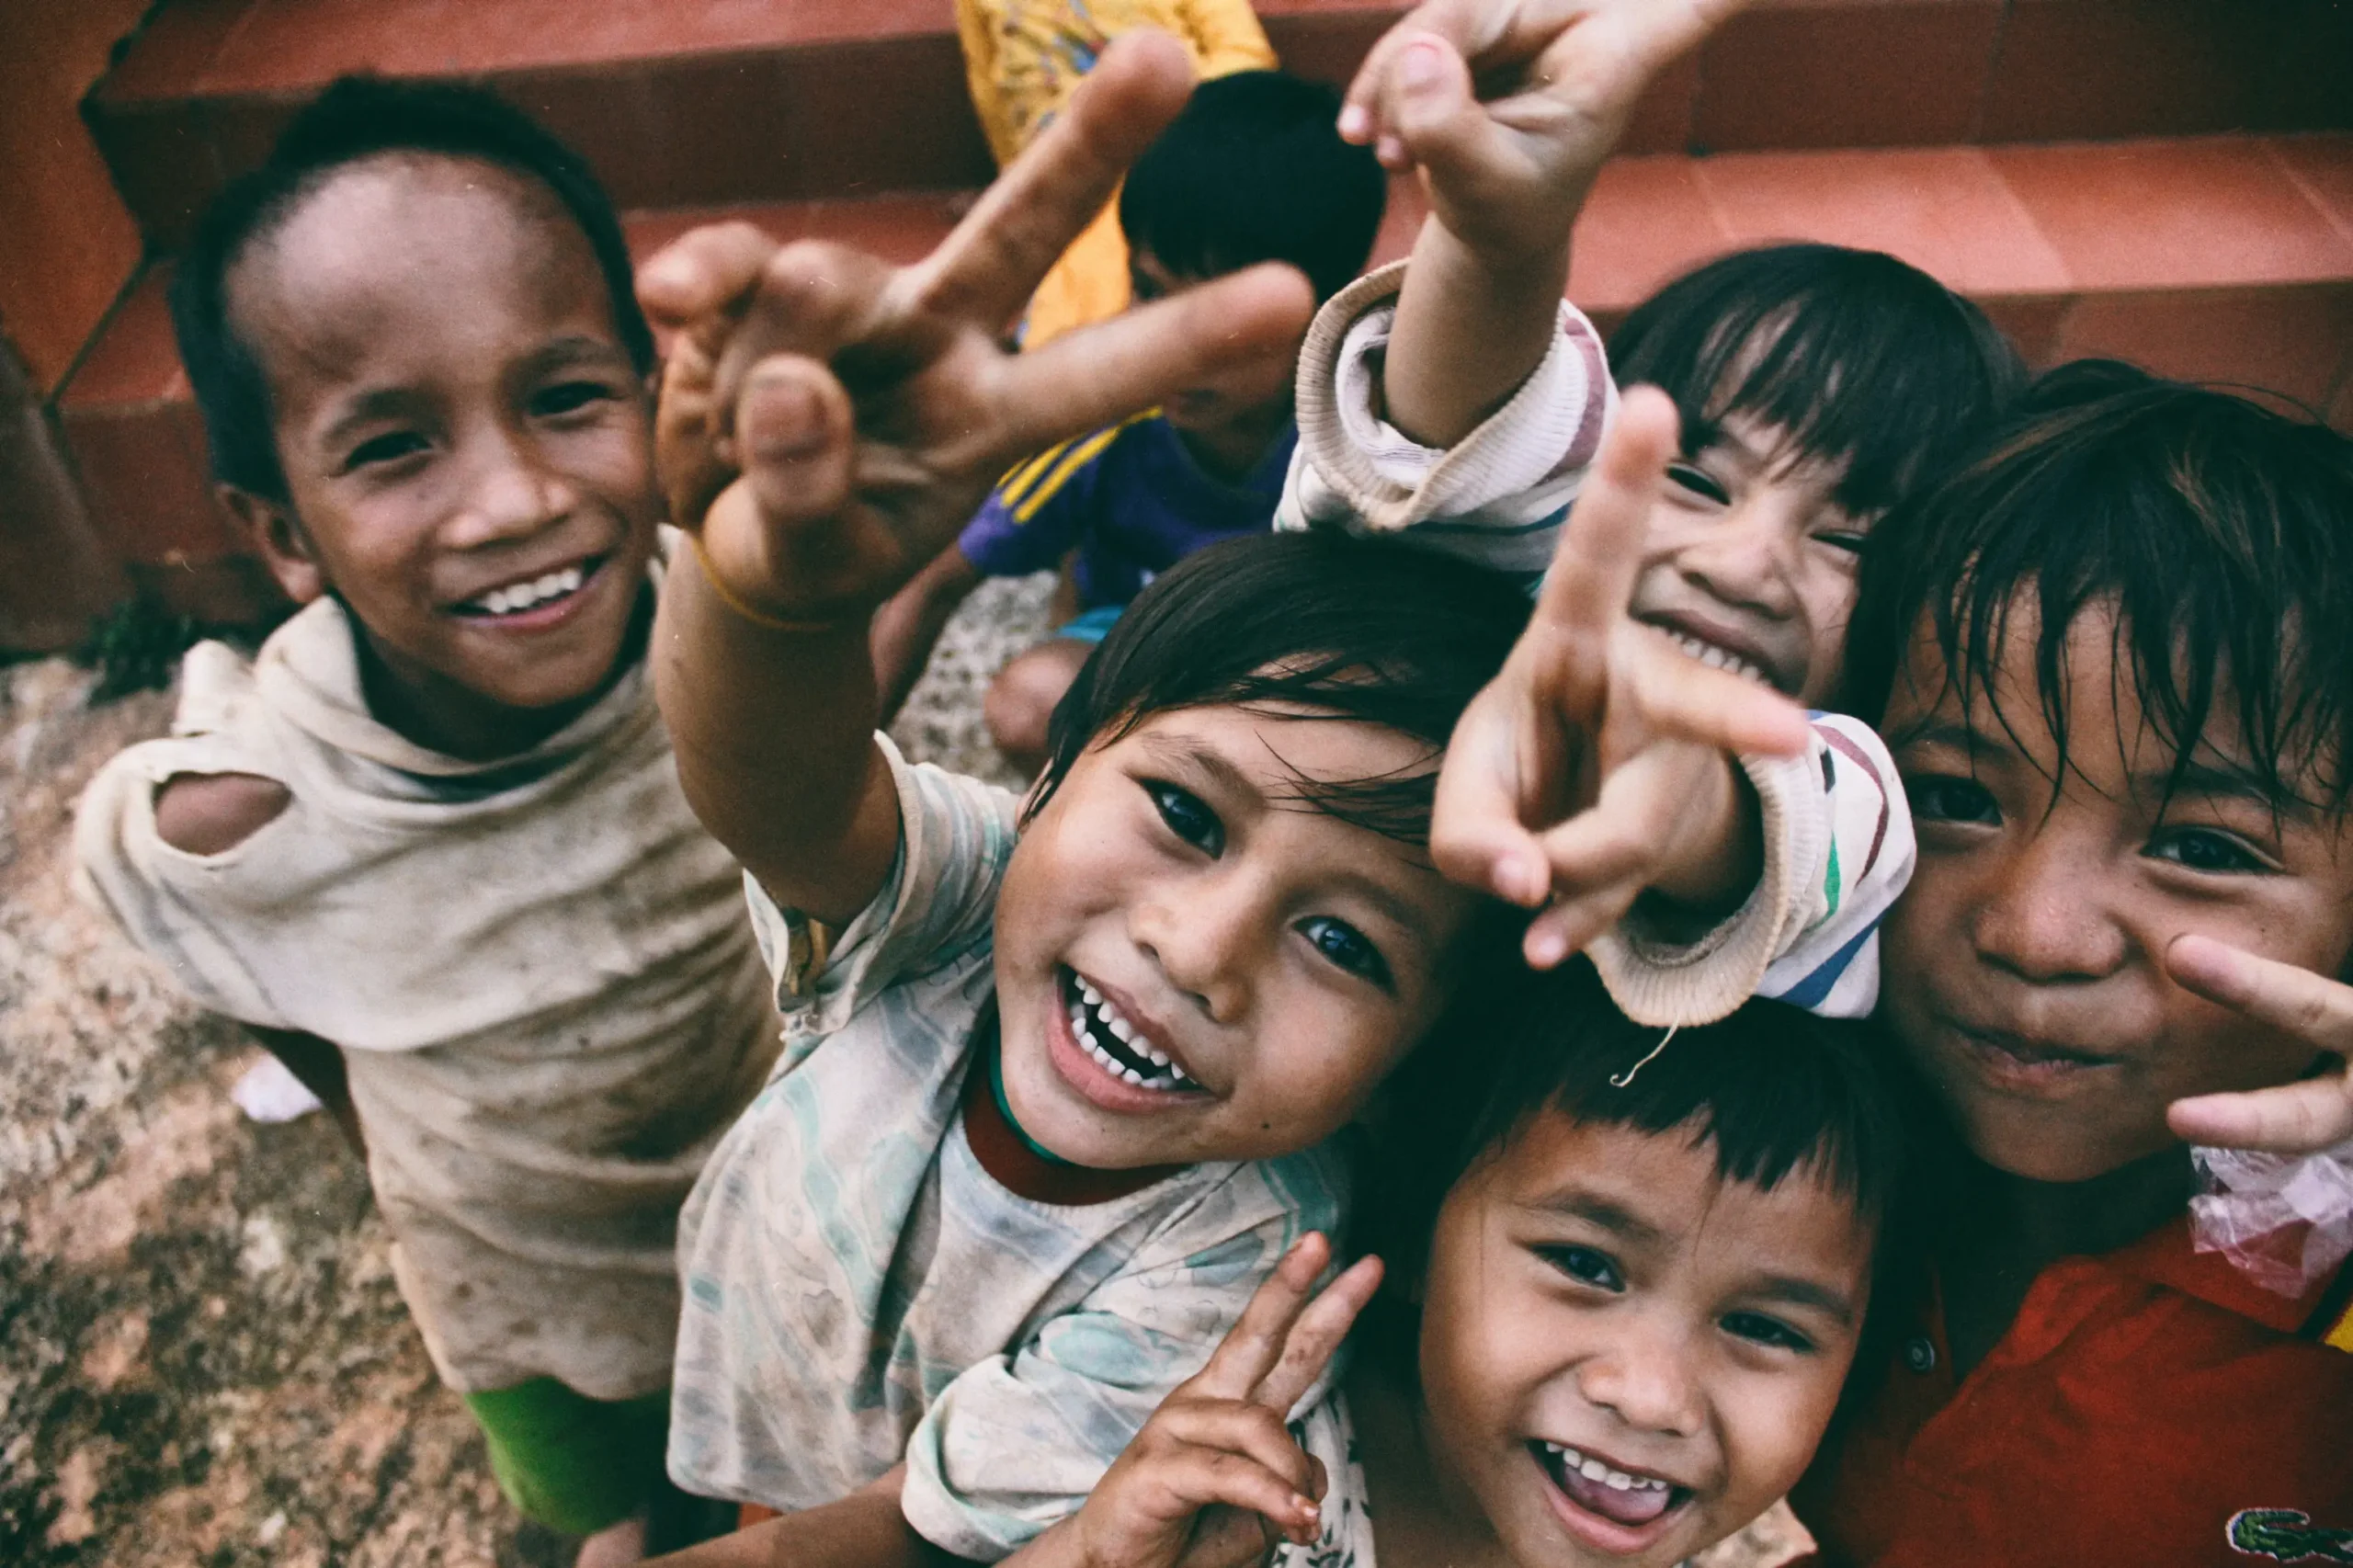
column 1253, row 170
column 2219, row 529
column 1858, row 358
column 355, row 119
column 1344, row 628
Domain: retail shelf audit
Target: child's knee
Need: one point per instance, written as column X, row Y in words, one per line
column 1020, row 704
column 210, row 813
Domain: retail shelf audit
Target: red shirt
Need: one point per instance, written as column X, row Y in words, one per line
column 2149, row 1406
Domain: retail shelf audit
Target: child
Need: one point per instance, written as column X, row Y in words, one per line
column 1251, row 171
column 2114, row 659
column 436, row 824
column 1816, row 386
column 1023, row 59
column 1059, row 1074
column 1630, row 1295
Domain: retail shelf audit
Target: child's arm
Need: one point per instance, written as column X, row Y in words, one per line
column 810, row 504
column 1506, row 176
column 1214, row 1479
column 908, row 626
column 2307, row 1117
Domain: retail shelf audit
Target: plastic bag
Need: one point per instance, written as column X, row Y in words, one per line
column 2285, row 1220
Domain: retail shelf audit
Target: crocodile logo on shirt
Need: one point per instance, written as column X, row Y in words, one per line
column 2288, row 1535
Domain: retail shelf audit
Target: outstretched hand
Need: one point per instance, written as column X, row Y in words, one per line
column 828, row 422
column 1600, row 764
column 1508, row 107
column 2303, row 1117
column 1214, row 1480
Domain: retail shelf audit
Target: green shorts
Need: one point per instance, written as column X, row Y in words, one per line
column 576, row 1464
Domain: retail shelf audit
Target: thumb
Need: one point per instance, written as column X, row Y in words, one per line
column 1436, row 115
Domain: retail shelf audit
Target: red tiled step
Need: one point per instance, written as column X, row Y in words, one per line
column 712, row 101
column 2225, row 258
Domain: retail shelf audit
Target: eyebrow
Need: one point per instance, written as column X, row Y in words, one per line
column 1594, row 1209
column 1796, row 1292
column 1184, row 754
column 1948, row 732
column 376, row 403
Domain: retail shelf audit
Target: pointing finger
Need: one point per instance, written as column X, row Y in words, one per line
column 1254, row 1344
column 1592, row 577
column 1316, row 1333
column 2294, row 1001
column 2294, row 1118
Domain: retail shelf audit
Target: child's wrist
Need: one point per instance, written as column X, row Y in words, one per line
column 743, row 610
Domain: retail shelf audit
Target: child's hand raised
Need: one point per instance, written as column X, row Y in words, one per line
column 2294, row 1118
column 1508, row 107
column 1598, row 765
column 827, row 421
column 1214, row 1479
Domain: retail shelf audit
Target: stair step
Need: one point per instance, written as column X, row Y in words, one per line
column 2221, row 258
column 713, row 101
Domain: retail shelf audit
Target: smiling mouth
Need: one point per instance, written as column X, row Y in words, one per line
column 1715, row 655
column 1114, row 1043
column 540, row 593
column 1621, row 1497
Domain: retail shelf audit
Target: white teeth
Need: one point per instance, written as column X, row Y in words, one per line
column 1125, row 1030
column 1715, row 658
column 523, row 595
column 1594, row 1469
column 1093, row 1011
column 1608, row 1475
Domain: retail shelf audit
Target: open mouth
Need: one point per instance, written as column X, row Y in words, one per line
column 1712, row 655
column 533, row 596
column 1114, row 1043
column 1634, row 1505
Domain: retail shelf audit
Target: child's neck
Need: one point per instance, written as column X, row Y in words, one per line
column 2007, row 1230
column 1418, row 1518
column 1232, row 450
column 441, row 715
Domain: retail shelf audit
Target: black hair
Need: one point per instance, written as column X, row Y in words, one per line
column 1370, row 630
column 1253, row 170
column 2219, row 529
column 1858, row 357
column 354, row 119
column 1771, row 1092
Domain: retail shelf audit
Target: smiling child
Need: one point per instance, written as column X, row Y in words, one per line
column 431, row 840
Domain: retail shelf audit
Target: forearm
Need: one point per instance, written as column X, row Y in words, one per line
column 1722, row 859
column 864, row 1529
column 774, row 734
column 1469, row 331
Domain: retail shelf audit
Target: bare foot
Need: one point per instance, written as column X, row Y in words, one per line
column 613, row 1546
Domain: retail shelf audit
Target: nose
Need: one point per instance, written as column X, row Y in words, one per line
column 1645, row 1378
column 1747, row 559
column 2040, row 917
column 1204, row 929
column 511, row 490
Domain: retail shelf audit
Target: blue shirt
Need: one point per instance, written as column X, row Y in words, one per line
column 1132, row 500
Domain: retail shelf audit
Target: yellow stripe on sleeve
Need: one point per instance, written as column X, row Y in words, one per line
column 2341, row 1336
column 1077, row 458
column 1025, row 471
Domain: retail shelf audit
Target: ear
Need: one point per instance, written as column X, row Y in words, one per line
column 276, row 535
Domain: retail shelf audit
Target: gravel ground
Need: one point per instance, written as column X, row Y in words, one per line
column 202, row 1356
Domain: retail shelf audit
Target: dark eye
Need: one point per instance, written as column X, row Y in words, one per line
column 2205, row 849
column 1697, row 481
column 1758, row 1329
column 569, row 397
column 1850, row 540
column 1188, row 816
column 1944, row 798
column 1348, row 948
column 1586, row 1265
column 389, row 447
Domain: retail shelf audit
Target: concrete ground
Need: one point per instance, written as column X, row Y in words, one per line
column 203, row 1356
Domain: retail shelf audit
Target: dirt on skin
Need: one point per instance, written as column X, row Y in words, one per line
column 203, row 1358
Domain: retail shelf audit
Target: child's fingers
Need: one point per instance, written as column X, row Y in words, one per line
column 698, row 280
column 2294, row 1118
column 1478, row 832
column 792, row 437
column 1108, row 372
column 1430, row 108
column 1207, row 1478
column 1678, row 696
column 2294, row 1001
column 1025, row 220
column 811, row 297
column 1250, row 1429
column 1592, row 578
column 1317, row 1333
column 1255, row 1343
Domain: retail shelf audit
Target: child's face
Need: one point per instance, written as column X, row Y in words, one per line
column 2025, row 966
column 1600, row 1297
column 467, row 448
column 1750, row 554
column 1193, row 965
column 1247, row 400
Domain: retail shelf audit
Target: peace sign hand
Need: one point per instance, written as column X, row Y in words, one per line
column 1600, row 764
column 1214, row 1480
column 2304, row 1117
column 828, row 422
